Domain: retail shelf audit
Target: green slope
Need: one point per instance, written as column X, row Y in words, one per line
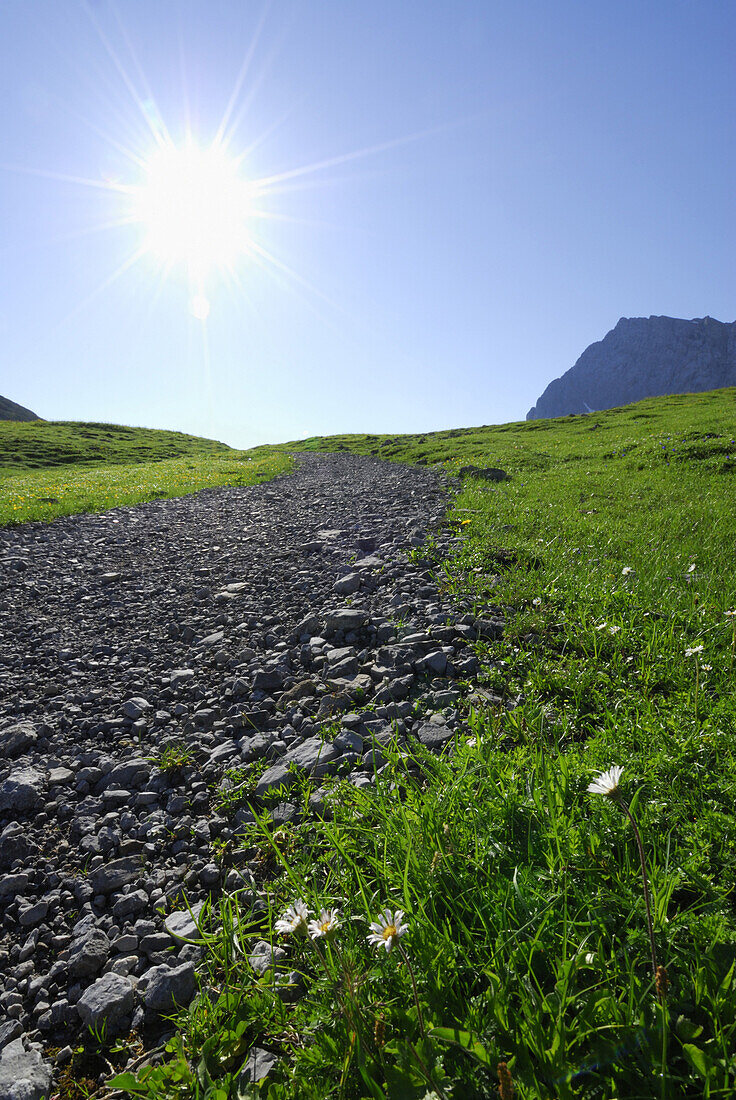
column 699, row 426
column 35, row 445
column 50, row 469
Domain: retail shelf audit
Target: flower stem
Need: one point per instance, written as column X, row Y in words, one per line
column 405, row 957
column 650, row 927
column 697, row 680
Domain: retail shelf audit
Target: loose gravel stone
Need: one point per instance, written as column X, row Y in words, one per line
column 23, row 1073
column 152, row 653
column 108, row 1001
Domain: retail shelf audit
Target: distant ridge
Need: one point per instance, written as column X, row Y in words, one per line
column 10, row 411
column 644, row 357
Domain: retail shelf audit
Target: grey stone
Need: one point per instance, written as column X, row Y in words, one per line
column 310, row 753
column 109, row 1001
column 274, row 777
column 183, row 923
column 23, row 791
column 347, row 585
column 33, row 914
column 23, row 1073
column 180, row 676
column 16, row 739
column 14, row 844
column 167, row 987
column 130, row 775
column 88, row 953
column 344, row 620
column 435, row 662
column 268, row 680
column 263, row 957
column 11, row 1029
column 434, row 735
column 259, row 1064
column 136, row 707
column 112, row 877
column 130, row 903
column 59, row 777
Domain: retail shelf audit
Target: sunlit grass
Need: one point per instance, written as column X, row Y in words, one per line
column 67, row 489
column 610, row 553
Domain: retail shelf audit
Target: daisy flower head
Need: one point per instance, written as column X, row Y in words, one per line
column 607, row 782
column 387, row 930
column 294, row 920
column 691, row 568
column 731, row 614
column 696, row 649
column 325, row 926
column 626, row 570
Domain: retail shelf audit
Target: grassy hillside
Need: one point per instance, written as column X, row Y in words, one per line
column 49, row 469
column 610, row 551
column 40, row 444
column 700, row 427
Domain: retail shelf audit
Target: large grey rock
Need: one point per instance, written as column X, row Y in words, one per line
column 14, row 844
column 264, row 956
column 109, row 1001
column 346, row 585
column 644, row 357
column 310, row 753
column 184, row 923
column 434, row 734
column 23, row 1073
column 16, row 738
column 343, row 620
column 112, row 877
column 88, row 953
column 130, row 775
column 23, row 791
column 258, row 1066
column 169, row 986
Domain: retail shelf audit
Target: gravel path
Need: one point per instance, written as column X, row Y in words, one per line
column 265, row 628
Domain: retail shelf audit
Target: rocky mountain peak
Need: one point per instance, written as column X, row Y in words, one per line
column 644, row 357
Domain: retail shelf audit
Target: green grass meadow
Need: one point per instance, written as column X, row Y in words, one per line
column 50, row 469
column 526, row 969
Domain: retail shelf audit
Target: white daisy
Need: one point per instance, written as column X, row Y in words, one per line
column 626, row 570
column 607, row 782
column 325, row 926
column 696, row 649
column 294, row 920
column 691, row 568
column 387, row 930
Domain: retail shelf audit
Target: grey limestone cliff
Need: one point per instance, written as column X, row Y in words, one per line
column 10, row 411
column 644, row 357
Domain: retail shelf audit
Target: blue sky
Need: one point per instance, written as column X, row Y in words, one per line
column 529, row 173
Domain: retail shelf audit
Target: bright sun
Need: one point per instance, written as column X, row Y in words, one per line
column 194, row 207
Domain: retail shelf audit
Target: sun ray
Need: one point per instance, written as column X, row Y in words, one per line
column 220, row 138
column 147, row 108
column 62, row 177
column 133, row 259
column 128, row 153
column 74, row 235
column 343, row 158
